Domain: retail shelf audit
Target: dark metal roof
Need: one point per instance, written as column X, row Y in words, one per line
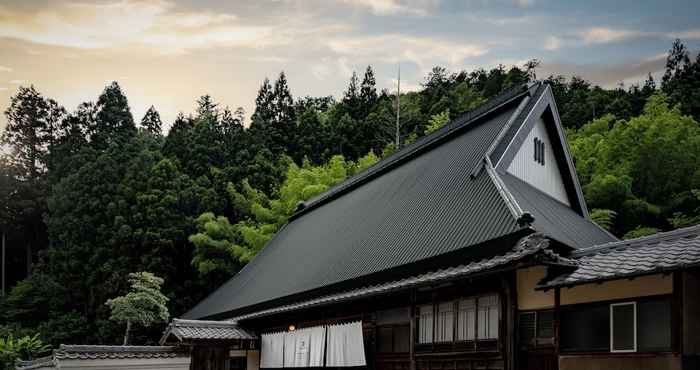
column 533, row 244
column 656, row 253
column 427, row 205
column 553, row 218
column 422, row 203
column 203, row 330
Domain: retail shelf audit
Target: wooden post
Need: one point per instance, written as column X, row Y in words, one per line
column 412, row 336
column 4, row 267
column 557, row 319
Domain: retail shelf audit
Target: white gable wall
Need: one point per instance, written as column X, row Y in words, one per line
column 546, row 178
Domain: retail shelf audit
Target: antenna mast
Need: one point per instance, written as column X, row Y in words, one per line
column 398, row 107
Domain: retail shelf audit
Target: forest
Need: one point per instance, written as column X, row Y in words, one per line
column 90, row 196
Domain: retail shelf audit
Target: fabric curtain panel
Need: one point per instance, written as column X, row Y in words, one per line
column 425, row 324
column 345, row 347
column 272, row 350
column 305, row 347
column 488, row 317
column 466, row 320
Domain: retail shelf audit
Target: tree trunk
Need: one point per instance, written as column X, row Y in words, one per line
column 29, row 258
column 126, row 334
column 4, row 268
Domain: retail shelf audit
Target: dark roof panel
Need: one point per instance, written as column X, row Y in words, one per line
column 553, row 218
column 425, row 206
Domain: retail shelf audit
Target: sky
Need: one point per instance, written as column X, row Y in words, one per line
column 166, row 53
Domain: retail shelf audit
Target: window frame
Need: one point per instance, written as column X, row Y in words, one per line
column 455, row 304
column 634, row 327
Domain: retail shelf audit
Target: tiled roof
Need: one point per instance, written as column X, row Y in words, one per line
column 87, row 352
column 660, row 252
column 47, row 362
column 531, row 245
column 202, row 330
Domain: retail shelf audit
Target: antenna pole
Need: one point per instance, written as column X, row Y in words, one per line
column 398, row 108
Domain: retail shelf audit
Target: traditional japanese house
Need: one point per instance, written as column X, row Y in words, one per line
column 471, row 248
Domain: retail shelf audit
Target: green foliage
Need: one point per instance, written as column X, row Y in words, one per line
column 639, row 167
column 24, row 348
column 92, row 198
column 214, row 245
column 438, row 120
column 143, row 305
column 151, row 122
column 603, row 217
column 640, row 231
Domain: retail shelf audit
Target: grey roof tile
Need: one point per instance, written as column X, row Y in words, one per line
column 198, row 330
column 660, row 252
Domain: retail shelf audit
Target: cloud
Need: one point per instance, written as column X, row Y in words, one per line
column 524, row 3
column 630, row 71
column 685, row 35
column 392, row 7
column 5, row 69
column 552, row 43
column 393, row 48
column 406, row 86
column 126, row 23
column 603, row 35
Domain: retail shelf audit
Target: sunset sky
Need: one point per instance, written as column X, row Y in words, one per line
column 167, row 53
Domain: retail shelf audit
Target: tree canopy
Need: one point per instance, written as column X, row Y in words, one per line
column 88, row 196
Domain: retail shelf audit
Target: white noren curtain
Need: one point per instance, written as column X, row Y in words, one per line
column 272, row 350
column 344, row 345
column 305, row 347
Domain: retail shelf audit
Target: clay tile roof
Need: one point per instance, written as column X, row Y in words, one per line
column 628, row 258
column 204, row 330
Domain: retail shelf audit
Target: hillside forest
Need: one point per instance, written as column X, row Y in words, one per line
column 91, row 195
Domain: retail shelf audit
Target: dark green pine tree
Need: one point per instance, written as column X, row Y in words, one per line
column 681, row 81
column 32, row 127
column 368, row 91
column 207, row 108
column 283, row 102
column 114, row 122
column 351, row 98
column 179, row 140
column 151, row 122
column 264, row 110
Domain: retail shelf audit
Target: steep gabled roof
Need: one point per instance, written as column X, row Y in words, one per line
column 427, row 200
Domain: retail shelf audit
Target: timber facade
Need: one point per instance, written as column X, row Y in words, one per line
column 471, row 248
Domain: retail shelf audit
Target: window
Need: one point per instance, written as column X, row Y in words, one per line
column 585, row 328
column 393, row 339
column 654, row 325
column 487, row 323
column 536, row 328
column 445, row 322
column 643, row 326
column 623, row 327
column 539, row 151
column 425, row 324
column 466, row 320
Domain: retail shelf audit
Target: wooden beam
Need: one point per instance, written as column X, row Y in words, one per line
column 557, row 319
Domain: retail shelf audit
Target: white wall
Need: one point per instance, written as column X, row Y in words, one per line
column 546, row 178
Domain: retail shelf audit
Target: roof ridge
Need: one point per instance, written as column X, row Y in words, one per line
column 407, row 152
column 640, row 241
